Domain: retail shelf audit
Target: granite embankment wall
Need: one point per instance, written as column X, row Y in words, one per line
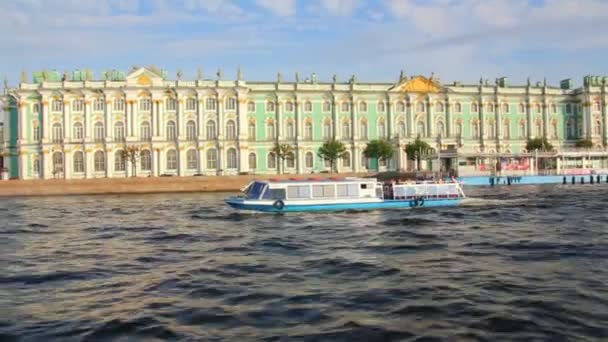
column 53, row 187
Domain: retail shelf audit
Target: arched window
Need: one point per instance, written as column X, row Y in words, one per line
column 191, row 104
column 553, row 108
column 290, row 160
column 346, row 159
column 231, row 159
column 308, row 106
column 506, row 130
column 253, row 163
column 120, row 161
column 400, row 107
column 363, row 106
column 490, row 108
column 99, row 160
column 119, row 131
column 192, row 159
column 459, row 129
column 78, row 131
column 57, row 162
column 251, row 131
column 363, row 129
column 170, row 104
column 491, row 129
column 420, row 107
column 271, row 163
column 172, row 160
column 99, row 132
column 568, row 108
column 440, row 129
column 381, row 130
column 327, row 106
column 598, row 128
column 309, row 160
column 308, row 131
column 570, row 129
column 171, row 131
column 36, row 108
column 439, row 107
column 421, row 129
column 596, row 106
column 211, row 130
column 505, row 108
column 458, row 107
column 345, row 106
column 231, row 103
column 145, row 104
column 191, row 130
column 401, row 129
column 57, row 133
column 289, row 130
column 270, row 106
column 474, row 107
column 522, row 108
column 36, row 166
column 146, row 160
column 537, row 108
column 522, row 129
column 78, row 162
column 212, row 158
column 554, row 132
column 475, row 130
column 539, row 129
column 230, row 130
column 144, row 130
column 381, row 106
column 364, row 161
column 270, row 130
column 345, row 129
column 36, row 132
column 326, row 130
column 251, row 106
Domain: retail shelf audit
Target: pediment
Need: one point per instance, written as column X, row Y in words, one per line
column 143, row 77
column 418, row 84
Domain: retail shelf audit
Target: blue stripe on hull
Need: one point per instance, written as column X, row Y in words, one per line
column 389, row 204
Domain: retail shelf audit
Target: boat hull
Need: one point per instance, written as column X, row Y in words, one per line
column 387, row 204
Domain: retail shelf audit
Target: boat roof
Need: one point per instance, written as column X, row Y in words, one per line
column 318, row 180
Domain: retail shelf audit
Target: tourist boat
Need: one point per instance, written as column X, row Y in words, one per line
column 335, row 194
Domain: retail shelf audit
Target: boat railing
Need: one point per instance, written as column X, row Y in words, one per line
column 427, row 190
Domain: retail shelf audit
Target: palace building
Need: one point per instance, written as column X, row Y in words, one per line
column 75, row 126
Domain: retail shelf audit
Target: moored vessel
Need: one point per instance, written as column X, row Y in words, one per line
column 336, row 194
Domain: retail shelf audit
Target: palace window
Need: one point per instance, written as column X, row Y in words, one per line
column 120, row 161
column 439, row 107
column 522, row 108
column 99, row 132
column 553, row 108
column 210, row 104
column 554, row 130
column 421, row 129
column 440, row 129
column 522, row 130
column 505, row 108
column 309, row 160
column 571, row 132
column 474, row 108
column 506, row 131
column 290, row 160
column 346, row 159
column 327, row 106
column 192, row 159
column 36, row 166
column 57, row 162
column 191, row 130
column 99, row 160
column 231, row 159
column 231, row 103
column 400, row 107
column 57, row 133
column 596, row 106
column 271, row 163
column 459, row 129
column 36, row 133
column 364, row 161
column 289, row 106
column 251, row 106
column 420, row 107
column 308, row 106
column 145, row 104
column 212, row 158
column 78, row 131
column 539, row 129
column 269, row 106
column 345, row 129
column 251, row 131
column 568, row 108
column 289, row 130
column 253, row 162
column 308, row 131
column 381, row 130
column 401, row 129
column 598, row 128
column 36, row 108
column 172, row 160
column 98, row 105
column 537, row 108
column 119, row 105
column 458, row 107
column 270, row 131
column 78, row 106
column 211, row 135
column 363, row 129
column 490, row 108
column 170, row 104
column 491, row 130
column 119, row 131
column 381, row 106
column 78, row 162
column 57, row 105
column 171, row 131
column 144, row 130
column 146, row 160
column 327, row 130
column 363, row 107
column 191, row 104
column 230, row 130
column 345, row 106
column 475, row 130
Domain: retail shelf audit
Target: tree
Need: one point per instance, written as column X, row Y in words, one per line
column 283, row 152
column 131, row 154
column 417, row 150
column 332, row 150
column 379, row 150
column 540, row 144
column 584, row 143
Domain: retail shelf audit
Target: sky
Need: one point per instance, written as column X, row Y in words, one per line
column 460, row 40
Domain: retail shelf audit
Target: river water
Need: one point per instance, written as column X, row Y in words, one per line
column 521, row 263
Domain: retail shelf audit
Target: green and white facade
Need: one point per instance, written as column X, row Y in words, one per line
column 72, row 126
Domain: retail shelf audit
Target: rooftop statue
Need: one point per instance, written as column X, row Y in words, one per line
column 353, row 79
column 23, row 76
column 65, row 76
column 179, row 74
column 219, row 74
column 528, row 81
column 5, row 82
column 239, row 74
column 334, row 78
column 297, row 77
column 200, row 73
column 279, row 77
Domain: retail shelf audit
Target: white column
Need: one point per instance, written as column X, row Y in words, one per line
column 128, row 119
column 89, row 165
column 160, row 122
column 109, row 163
column 356, row 159
column 448, row 119
column 355, row 119
column 279, row 117
column 22, row 163
column 153, row 113
column 530, row 132
column 430, row 122
column 604, row 121
column 391, row 122
column 46, row 167
column 201, row 161
column 67, row 164
column 545, row 119
column 181, row 161
column 45, row 119
column 409, row 107
column 244, row 159
column 21, row 122
column 154, row 155
column 220, row 119
column 179, row 109
column 299, row 162
column 335, row 121
column 107, row 124
column 67, row 122
column 88, row 121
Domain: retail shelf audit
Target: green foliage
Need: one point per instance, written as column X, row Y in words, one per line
column 417, row 150
column 379, row 150
column 283, row 152
column 332, row 150
column 540, row 144
column 584, row 143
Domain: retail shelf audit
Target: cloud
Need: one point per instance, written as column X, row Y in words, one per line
column 339, row 7
column 283, row 8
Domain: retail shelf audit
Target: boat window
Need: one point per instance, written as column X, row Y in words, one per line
column 319, row 191
column 363, row 186
column 274, row 194
column 298, row 191
column 347, row 190
column 255, row 190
